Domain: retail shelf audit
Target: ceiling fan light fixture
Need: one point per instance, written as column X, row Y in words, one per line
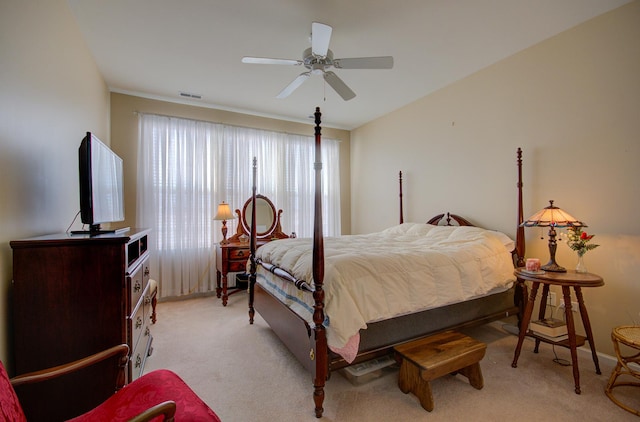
column 317, row 69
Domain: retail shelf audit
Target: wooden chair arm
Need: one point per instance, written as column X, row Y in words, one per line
column 167, row 408
column 121, row 350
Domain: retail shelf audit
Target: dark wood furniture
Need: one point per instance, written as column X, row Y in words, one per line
column 432, row 357
column 308, row 341
column 232, row 255
column 566, row 280
column 73, row 296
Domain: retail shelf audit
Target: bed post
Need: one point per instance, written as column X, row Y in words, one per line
column 521, row 290
column 321, row 351
column 401, row 211
column 252, row 246
column 518, row 260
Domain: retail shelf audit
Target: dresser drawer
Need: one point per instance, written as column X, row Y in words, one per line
column 237, row 266
column 239, row 254
column 141, row 337
column 137, row 282
column 140, row 353
column 138, row 324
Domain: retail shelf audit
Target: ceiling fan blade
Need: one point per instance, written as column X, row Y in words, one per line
column 266, row 60
column 339, row 86
column 320, row 37
column 293, row 85
column 384, row 62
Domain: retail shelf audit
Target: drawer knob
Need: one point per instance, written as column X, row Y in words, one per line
column 146, row 271
column 138, row 322
column 138, row 361
column 137, row 286
column 240, row 253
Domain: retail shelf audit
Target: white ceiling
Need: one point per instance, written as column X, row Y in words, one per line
column 159, row 48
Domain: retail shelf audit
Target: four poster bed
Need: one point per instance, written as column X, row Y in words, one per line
column 467, row 272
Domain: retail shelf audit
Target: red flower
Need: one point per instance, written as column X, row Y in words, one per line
column 585, row 236
column 578, row 240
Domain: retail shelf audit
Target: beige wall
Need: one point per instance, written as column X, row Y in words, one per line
column 51, row 93
column 124, row 130
column 573, row 104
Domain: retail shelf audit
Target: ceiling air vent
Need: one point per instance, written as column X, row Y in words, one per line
column 189, row 95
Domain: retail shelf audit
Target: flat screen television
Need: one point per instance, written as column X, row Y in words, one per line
column 101, row 185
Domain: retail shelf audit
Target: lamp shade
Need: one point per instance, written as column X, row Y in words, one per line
column 224, row 212
column 552, row 216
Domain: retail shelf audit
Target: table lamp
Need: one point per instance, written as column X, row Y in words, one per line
column 224, row 214
column 552, row 217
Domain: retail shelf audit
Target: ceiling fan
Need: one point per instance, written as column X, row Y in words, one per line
column 318, row 59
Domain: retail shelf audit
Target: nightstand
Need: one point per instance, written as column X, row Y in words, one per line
column 232, row 254
column 231, row 257
column 566, row 280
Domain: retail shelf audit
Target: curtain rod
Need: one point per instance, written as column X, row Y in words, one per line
column 137, row 113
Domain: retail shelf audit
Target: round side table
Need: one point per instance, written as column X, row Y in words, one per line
column 629, row 335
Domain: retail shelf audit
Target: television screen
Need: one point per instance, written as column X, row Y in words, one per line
column 101, row 185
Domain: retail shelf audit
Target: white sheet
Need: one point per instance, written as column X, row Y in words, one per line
column 404, row 269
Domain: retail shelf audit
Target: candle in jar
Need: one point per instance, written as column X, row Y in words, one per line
column 533, row 264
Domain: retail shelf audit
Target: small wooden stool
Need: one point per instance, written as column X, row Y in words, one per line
column 429, row 358
column 629, row 335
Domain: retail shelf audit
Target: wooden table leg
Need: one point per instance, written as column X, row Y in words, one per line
column 541, row 311
column 225, row 296
column 571, row 328
column 218, row 288
column 528, row 310
column 587, row 327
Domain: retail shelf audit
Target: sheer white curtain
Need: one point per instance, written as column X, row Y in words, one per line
column 187, row 167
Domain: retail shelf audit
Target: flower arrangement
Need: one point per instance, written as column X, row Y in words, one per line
column 579, row 241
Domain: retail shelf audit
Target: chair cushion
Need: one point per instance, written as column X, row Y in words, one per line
column 10, row 409
column 153, row 287
column 147, row 391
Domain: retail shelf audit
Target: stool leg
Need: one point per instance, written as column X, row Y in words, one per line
column 404, row 381
column 423, row 391
column 474, row 375
column 410, row 381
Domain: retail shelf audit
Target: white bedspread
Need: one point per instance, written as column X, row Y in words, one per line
column 407, row 268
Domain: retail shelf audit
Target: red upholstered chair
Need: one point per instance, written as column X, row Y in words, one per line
column 158, row 395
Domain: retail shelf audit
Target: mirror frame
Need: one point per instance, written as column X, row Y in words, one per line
column 244, row 226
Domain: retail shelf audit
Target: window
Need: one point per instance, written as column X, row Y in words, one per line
column 187, row 167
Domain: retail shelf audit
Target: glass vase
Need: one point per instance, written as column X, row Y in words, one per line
column 580, row 267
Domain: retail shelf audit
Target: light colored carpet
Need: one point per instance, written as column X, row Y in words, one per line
column 246, row 374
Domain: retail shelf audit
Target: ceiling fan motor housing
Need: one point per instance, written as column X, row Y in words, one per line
column 315, row 63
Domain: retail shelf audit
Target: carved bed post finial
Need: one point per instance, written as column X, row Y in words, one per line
column 401, row 211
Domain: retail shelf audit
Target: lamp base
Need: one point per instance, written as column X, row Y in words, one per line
column 553, row 267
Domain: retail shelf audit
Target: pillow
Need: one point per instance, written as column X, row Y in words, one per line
column 466, row 231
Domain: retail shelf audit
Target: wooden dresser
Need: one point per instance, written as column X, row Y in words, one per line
column 74, row 295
